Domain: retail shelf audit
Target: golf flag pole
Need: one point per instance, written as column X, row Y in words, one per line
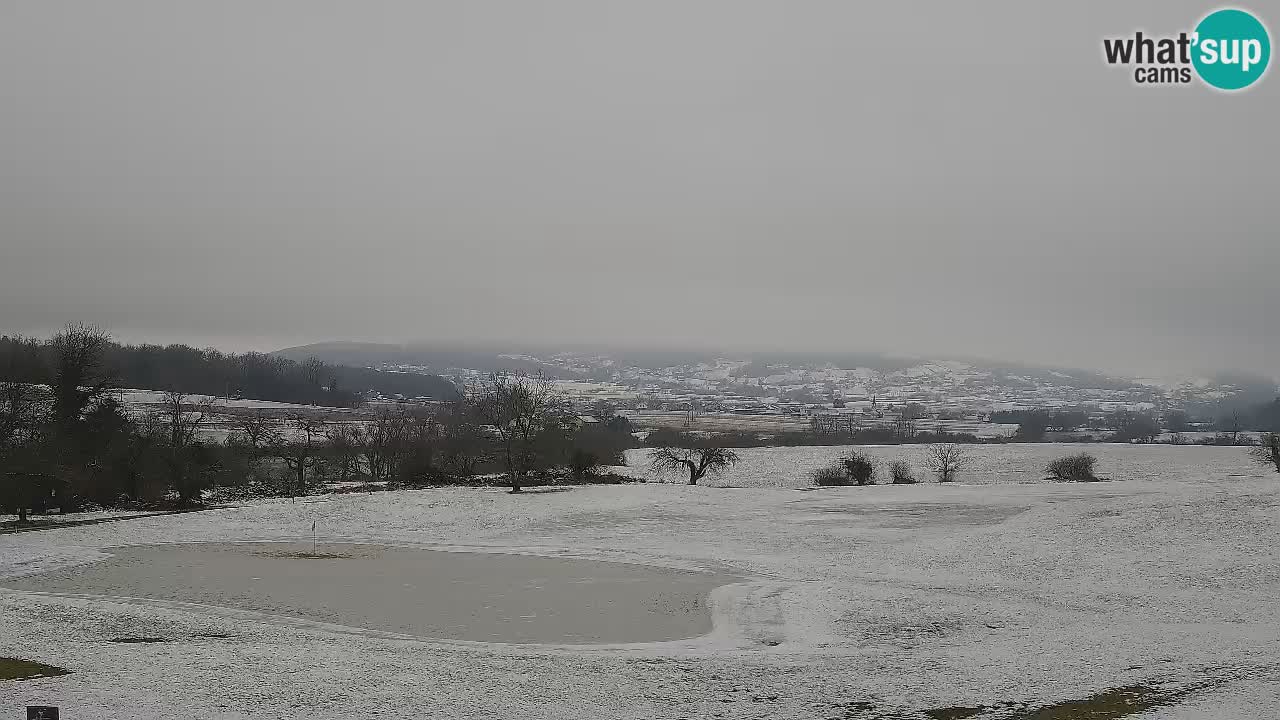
column 313, row 537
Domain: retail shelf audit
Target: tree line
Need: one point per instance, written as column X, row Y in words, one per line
column 1229, row 427
column 67, row 442
column 210, row 372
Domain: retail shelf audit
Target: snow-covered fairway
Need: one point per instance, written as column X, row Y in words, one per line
column 862, row 603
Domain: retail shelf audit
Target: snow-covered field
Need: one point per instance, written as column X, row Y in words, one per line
column 157, row 397
column 991, row 464
column 874, row 602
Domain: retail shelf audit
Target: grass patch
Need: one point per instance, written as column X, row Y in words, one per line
column 134, row 640
column 1115, row 703
column 15, row 669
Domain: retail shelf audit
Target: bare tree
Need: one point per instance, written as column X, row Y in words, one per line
column 1234, row 427
column 947, row 460
column 253, row 434
column 698, row 462
column 182, row 418
column 253, row 431
column 344, row 444
column 462, row 447
column 20, row 410
column 301, row 452
column 312, row 373
column 1268, row 453
column 180, row 422
column 692, row 413
column 384, row 438
column 24, row 483
column 422, row 437
column 910, row 414
column 603, row 410
column 518, row 408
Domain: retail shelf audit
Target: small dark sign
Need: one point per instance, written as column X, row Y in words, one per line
column 42, row 712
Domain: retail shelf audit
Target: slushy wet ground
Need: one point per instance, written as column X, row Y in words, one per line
column 476, row 596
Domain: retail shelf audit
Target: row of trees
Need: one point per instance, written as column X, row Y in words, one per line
column 211, row 372
column 516, row 424
column 1231, row 427
column 1124, row 425
column 66, row 441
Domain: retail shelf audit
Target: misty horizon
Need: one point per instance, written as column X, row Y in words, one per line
column 576, row 174
column 840, row 356
column 660, row 359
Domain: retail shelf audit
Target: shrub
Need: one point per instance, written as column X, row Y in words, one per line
column 583, row 464
column 832, row 475
column 1268, row 453
column 900, row 472
column 1073, row 468
column 860, row 468
column 853, row 469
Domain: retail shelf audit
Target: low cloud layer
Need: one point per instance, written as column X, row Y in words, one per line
column 914, row 178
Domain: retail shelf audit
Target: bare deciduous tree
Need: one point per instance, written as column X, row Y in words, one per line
column 1234, row 427
column 253, row 434
column 518, row 407
column 344, row 445
column 24, row 485
column 908, row 417
column 698, row 462
column 253, row 431
column 603, row 410
column 947, row 460
column 20, row 411
column 180, row 422
column 301, row 451
column 384, row 438
column 461, row 446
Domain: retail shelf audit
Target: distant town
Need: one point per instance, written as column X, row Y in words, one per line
column 852, row 393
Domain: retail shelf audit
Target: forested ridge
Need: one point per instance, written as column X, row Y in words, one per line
column 196, row 371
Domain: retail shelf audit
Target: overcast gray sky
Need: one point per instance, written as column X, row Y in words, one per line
column 931, row 177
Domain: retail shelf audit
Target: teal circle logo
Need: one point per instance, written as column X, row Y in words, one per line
column 1232, row 49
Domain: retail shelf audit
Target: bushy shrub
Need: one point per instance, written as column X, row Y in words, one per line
column 900, row 472
column 860, row 468
column 1073, row 468
column 853, row 469
column 1268, row 453
column 832, row 475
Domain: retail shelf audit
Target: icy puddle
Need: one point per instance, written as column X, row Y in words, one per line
column 488, row 597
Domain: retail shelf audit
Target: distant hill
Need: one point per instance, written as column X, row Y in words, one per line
column 427, row 358
column 732, row 372
column 581, row 363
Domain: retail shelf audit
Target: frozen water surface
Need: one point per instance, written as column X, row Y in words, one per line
column 495, row 597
